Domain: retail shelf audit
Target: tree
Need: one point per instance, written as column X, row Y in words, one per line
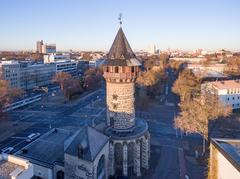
column 233, row 66
column 187, row 86
column 7, row 94
column 61, row 78
column 92, row 78
column 196, row 114
column 152, row 81
column 176, row 65
column 72, row 87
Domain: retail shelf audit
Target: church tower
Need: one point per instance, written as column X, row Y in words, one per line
column 129, row 149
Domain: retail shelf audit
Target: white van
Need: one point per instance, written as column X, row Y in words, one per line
column 32, row 136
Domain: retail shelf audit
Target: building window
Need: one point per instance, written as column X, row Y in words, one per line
column 100, row 168
column 232, row 105
column 228, row 99
column 233, row 98
column 116, row 69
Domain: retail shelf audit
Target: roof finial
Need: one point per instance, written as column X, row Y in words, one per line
column 120, row 19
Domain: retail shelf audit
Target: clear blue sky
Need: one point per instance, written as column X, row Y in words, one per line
column 92, row 24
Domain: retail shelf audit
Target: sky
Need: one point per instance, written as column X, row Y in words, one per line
column 93, row 24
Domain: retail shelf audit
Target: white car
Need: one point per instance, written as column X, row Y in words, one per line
column 7, row 150
column 32, row 136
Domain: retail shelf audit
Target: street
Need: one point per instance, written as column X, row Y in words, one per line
column 167, row 162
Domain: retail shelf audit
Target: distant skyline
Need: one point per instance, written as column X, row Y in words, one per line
column 93, row 24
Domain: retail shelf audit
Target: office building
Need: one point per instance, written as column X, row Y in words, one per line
column 26, row 75
column 228, row 91
column 45, row 48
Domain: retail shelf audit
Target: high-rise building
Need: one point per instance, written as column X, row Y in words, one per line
column 152, row 49
column 39, row 46
column 49, row 48
column 129, row 148
column 45, row 48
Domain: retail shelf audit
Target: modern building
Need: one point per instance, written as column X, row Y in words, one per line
column 224, row 159
column 211, row 67
column 211, row 72
column 95, row 63
column 152, row 49
column 49, row 48
column 129, row 148
column 56, row 57
column 39, row 46
column 13, row 167
column 35, row 75
column 228, row 91
column 45, row 48
column 188, row 59
column 10, row 71
column 26, row 75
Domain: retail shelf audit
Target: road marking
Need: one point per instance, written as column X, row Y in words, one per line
column 19, row 138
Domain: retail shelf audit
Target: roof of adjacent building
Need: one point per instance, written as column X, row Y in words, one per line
column 120, row 53
column 90, row 140
column 6, row 168
column 48, row 149
column 226, row 84
column 230, row 149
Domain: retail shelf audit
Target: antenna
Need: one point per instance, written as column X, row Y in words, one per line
column 120, row 19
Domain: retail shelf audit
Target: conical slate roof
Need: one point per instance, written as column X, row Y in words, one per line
column 120, row 48
column 121, row 54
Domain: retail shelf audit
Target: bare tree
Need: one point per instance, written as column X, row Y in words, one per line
column 61, row 78
column 196, row 114
column 7, row 94
column 187, row 86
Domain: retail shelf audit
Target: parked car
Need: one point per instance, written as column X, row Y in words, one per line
column 7, row 150
column 32, row 136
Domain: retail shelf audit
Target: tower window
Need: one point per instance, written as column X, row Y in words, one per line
column 107, row 69
column 114, row 106
column 132, row 69
column 116, row 69
column 115, row 96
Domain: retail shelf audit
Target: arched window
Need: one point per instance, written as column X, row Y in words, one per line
column 116, row 69
column 60, row 174
column 100, row 168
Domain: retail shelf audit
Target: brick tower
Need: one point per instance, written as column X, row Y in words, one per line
column 129, row 150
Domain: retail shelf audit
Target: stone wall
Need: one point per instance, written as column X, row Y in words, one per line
column 120, row 103
column 124, row 154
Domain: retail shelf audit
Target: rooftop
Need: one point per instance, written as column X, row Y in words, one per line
column 230, row 148
column 47, row 149
column 90, row 140
column 120, row 53
column 226, row 84
column 120, row 48
column 13, row 166
column 6, row 168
